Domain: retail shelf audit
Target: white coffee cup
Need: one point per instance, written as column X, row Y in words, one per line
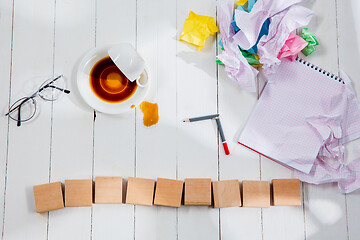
column 128, row 60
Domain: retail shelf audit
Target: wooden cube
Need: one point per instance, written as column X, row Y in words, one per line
column 168, row 192
column 78, row 193
column 140, row 191
column 197, row 191
column 286, row 192
column 226, row 193
column 256, row 194
column 108, row 190
column 48, row 197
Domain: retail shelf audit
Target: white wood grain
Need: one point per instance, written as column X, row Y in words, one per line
column 349, row 52
column 29, row 146
column 349, row 49
column 114, row 136
column 197, row 148
column 72, row 139
column 184, row 85
column 281, row 222
column 325, row 213
column 6, row 10
column 235, row 105
column 156, row 146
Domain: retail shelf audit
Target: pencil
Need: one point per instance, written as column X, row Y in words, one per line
column 223, row 140
column 201, row 118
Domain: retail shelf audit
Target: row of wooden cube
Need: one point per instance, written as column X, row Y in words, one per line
column 168, row 192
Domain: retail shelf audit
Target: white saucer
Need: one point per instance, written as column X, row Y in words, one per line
column 83, row 83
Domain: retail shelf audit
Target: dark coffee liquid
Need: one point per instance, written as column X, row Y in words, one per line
column 109, row 83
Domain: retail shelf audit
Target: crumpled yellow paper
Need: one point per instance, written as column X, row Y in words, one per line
column 197, row 28
column 241, row 2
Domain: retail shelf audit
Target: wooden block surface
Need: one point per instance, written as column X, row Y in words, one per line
column 48, row 197
column 140, row 191
column 226, row 193
column 197, row 191
column 286, row 192
column 256, row 194
column 168, row 192
column 78, row 193
column 108, row 190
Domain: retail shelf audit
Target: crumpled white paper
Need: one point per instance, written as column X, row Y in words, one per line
column 236, row 65
column 250, row 23
column 280, row 27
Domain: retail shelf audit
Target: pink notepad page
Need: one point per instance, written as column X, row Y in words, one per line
column 302, row 111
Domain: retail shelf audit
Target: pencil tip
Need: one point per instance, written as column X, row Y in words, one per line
column 186, row 120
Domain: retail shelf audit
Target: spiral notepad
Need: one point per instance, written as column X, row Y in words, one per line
column 301, row 107
column 320, row 70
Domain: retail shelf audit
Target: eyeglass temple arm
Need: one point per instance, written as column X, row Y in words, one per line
column 61, row 89
column 19, row 117
column 47, row 85
column 26, row 99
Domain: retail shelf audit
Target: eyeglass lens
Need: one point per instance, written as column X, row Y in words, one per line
column 22, row 110
column 52, row 89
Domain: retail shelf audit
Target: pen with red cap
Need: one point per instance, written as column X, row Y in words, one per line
column 223, row 140
column 218, row 123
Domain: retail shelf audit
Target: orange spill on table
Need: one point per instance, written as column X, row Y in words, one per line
column 151, row 113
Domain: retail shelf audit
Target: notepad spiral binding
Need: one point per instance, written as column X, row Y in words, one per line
column 316, row 68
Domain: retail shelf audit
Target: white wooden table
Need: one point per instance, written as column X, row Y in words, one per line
column 67, row 141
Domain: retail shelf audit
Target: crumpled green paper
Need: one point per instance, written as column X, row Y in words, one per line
column 312, row 41
column 252, row 59
column 197, row 28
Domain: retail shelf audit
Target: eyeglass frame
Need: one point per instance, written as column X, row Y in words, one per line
column 32, row 98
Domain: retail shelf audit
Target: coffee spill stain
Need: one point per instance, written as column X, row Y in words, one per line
column 151, row 113
column 132, row 106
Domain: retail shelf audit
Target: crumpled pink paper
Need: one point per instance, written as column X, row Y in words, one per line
column 250, row 23
column 293, row 45
column 281, row 26
column 329, row 166
column 329, row 130
column 302, row 119
column 236, row 65
column 347, row 176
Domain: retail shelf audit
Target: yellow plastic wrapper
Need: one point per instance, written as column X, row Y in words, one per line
column 197, row 28
column 241, row 2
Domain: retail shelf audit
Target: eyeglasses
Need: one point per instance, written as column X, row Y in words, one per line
column 25, row 108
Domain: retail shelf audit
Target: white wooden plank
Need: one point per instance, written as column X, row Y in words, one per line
column 349, row 45
column 114, row 136
column 281, row 222
column 29, row 146
column 349, row 51
column 72, row 139
column 156, row 146
column 197, row 148
column 323, row 25
column 235, row 105
column 156, row 33
column 325, row 213
column 6, row 9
